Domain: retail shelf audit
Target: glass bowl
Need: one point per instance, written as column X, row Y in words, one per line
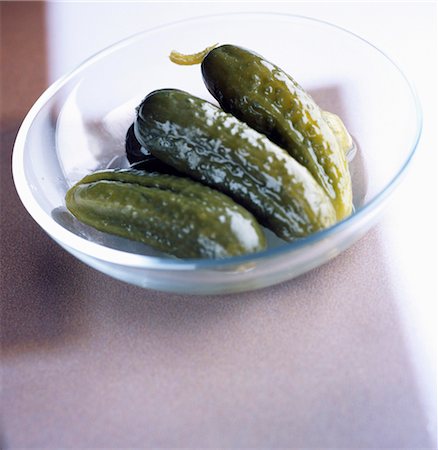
column 79, row 123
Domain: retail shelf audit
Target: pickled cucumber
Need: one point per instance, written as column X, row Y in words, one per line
column 214, row 147
column 134, row 151
column 176, row 215
column 142, row 159
column 340, row 131
column 273, row 103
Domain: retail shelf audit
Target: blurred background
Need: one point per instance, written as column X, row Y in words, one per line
column 75, row 344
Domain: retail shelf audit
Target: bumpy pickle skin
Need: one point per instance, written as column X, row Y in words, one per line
column 176, row 215
column 204, row 142
column 270, row 101
column 334, row 122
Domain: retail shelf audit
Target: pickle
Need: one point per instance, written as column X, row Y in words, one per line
column 340, row 131
column 142, row 159
column 206, row 143
column 270, row 101
column 333, row 121
column 135, row 152
column 176, row 215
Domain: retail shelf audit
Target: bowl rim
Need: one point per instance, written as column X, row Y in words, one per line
column 76, row 243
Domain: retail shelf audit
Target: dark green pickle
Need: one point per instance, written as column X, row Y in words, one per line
column 273, row 103
column 135, row 152
column 176, row 215
column 142, row 159
column 214, row 147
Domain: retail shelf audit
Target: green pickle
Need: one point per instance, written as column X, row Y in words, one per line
column 212, row 146
column 273, row 103
column 176, row 215
column 341, row 133
column 141, row 158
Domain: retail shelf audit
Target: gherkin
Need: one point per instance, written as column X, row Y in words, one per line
column 273, row 103
column 176, row 215
column 204, row 142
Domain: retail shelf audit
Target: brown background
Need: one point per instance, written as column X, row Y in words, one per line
column 92, row 362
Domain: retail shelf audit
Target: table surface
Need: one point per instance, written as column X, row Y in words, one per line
column 341, row 357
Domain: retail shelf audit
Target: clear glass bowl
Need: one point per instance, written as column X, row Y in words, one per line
column 78, row 125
